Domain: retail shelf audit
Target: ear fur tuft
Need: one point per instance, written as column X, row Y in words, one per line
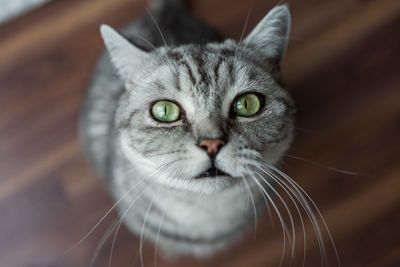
column 271, row 35
column 126, row 57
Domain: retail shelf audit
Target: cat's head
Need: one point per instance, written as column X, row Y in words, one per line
column 200, row 117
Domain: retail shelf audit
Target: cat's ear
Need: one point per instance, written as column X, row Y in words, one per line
column 270, row 37
column 126, row 57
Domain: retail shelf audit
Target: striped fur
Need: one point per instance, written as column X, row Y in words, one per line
column 203, row 74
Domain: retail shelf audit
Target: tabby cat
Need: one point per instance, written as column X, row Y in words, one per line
column 186, row 128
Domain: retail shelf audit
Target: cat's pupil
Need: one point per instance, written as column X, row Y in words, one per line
column 245, row 104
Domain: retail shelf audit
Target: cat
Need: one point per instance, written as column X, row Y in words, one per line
column 186, row 128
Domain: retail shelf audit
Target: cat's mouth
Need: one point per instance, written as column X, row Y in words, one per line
column 211, row 172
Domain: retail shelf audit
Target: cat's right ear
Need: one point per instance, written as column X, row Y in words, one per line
column 126, row 57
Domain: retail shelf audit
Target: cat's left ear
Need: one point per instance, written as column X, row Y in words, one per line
column 126, row 57
column 269, row 39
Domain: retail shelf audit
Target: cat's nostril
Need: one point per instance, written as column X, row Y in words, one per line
column 212, row 146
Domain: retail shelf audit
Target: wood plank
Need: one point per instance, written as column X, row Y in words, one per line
column 42, row 34
column 342, row 35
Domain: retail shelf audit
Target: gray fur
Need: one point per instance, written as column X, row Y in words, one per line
column 204, row 75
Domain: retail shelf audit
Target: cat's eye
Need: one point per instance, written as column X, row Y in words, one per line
column 165, row 111
column 247, row 105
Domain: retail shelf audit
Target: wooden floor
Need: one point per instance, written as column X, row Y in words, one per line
column 343, row 68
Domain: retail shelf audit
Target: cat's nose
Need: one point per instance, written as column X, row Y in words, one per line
column 212, row 146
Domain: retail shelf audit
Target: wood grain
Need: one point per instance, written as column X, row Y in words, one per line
column 342, row 68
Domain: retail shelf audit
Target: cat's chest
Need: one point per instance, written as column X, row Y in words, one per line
column 206, row 215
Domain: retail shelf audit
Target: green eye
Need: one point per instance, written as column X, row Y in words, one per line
column 247, row 105
column 165, row 111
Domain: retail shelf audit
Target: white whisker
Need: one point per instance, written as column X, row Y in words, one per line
column 315, row 225
column 267, row 204
column 308, row 211
column 157, row 237
column 283, row 224
column 288, row 212
column 145, row 40
column 142, row 232
column 121, row 221
column 104, row 216
column 162, row 168
column 141, row 179
column 300, row 197
column 242, row 34
column 283, row 185
column 157, row 26
column 102, row 241
column 252, row 201
column 323, row 165
column 301, row 192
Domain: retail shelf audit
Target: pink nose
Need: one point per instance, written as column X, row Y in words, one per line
column 212, row 145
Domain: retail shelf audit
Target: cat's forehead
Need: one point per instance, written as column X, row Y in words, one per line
column 205, row 71
column 225, row 49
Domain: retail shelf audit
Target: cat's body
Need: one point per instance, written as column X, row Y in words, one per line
column 151, row 167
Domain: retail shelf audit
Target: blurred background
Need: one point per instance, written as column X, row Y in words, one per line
column 342, row 67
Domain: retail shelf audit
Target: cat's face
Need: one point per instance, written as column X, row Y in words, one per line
column 203, row 86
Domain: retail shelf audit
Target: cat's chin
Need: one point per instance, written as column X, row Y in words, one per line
column 206, row 185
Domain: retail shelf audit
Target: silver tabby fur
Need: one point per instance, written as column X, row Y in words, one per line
column 152, row 165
